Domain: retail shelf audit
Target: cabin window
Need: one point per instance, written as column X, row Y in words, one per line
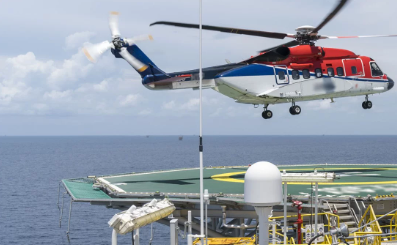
column 339, row 71
column 331, row 72
column 375, row 70
column 306, row 74
column 354, row 70
column 318, row 72
column 295, row 74
column 281, row 75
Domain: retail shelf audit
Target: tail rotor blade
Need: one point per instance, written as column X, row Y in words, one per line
column 134, row 62
column 114, row 24
column 141, row 38
column 93, row 52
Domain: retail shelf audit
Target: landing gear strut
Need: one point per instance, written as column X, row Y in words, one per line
column 267, row 114
column 295, row 109
column 367, row 104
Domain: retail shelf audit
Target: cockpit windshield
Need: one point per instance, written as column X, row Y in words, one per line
column 375, row 70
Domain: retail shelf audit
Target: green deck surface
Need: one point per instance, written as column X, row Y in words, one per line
column 356, row 180
column 81, row 189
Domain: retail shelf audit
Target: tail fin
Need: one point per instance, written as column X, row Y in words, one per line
column 148, row 68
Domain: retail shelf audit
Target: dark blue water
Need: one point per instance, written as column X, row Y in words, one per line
column 31, row 167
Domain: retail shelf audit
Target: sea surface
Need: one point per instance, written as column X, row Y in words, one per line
column 31, row 168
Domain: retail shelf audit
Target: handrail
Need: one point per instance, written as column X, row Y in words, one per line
column 355, row 216
column 369, row 218
column 358, row 207
column 393, row 227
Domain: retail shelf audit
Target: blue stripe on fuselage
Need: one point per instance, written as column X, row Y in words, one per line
column 250, row 70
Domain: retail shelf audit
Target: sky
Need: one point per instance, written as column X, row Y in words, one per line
column 48, row 87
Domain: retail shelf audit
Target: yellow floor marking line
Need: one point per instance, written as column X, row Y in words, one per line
column 228, row 177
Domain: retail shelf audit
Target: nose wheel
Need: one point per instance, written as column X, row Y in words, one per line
column 267, row 114
column 367, row 104
column 295, row 109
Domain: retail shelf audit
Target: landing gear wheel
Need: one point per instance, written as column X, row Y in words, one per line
column 367, row 104
column 297, row 110
column 267, row 114
column 291, row 110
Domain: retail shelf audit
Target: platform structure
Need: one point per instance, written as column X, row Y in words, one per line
column 354, row 188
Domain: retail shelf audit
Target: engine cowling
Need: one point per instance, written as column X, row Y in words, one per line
column 305, row 51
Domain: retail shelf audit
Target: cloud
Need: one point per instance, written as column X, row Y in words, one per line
column 169, row 105
column 33, row 86
column 71, row 70
column 102, row 86
column 57, row 95
column 145, row 112
column 191, row 105
column 130, row 100
column 319, row 104
column 76, row 40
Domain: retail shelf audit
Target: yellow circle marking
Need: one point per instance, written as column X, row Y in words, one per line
column 227, row 177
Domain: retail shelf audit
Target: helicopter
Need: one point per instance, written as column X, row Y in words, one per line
column 288, row 73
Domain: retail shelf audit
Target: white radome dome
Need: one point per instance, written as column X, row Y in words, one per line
column 263, row 185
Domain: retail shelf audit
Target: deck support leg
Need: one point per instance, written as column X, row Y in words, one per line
column 316, row 211
column 60, row 217
column 285, row 213
column 70, row 215
column 59, row 191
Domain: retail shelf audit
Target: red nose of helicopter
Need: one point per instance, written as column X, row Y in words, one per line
column 391, row 83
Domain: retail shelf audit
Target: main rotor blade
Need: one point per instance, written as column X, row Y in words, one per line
column 114, row 24
column 141, row 38
column 277, row 35
column 289, row 44
column 341, row 37
column 330, row 16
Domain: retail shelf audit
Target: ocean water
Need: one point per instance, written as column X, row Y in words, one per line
column 31, row 168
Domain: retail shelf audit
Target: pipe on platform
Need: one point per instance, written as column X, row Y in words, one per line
column 242, row 226
column 285, row 213
column 114, row 237
column 196, row 227
column 316, row 210
column 189, row 221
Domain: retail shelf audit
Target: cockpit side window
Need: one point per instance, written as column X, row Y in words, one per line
column 375, row 70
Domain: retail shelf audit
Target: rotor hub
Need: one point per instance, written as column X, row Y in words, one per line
column 118, row 43
column 304, row 29
column 305, row 35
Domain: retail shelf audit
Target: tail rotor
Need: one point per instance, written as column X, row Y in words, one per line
column 94, row 51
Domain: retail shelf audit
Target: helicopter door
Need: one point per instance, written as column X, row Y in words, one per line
column 353, row 67
column 281, row 74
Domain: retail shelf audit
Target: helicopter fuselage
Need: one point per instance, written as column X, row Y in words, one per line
column 300, row 73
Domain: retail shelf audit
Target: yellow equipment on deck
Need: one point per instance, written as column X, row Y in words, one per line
column 369, row 217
